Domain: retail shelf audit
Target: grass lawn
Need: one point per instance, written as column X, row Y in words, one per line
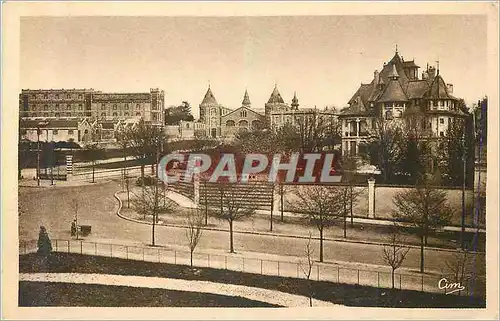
column 345, row 294
column 94, row 295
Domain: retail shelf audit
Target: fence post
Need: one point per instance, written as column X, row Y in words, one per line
column 278, row 268
column 143, row 254
column 68, row 246
column 297, row 270
column 208, row 260
column 158, row 255
column 422, row 283
column 95, row 248
column 378, row 279
column 260, row 266
column 81, row 247
column 111, row 250
column 358, row 276
column 243, row 264
column 317, row 272
column 56, row 246
column 400, row 282
column 338, row 274
column 126, row 250
column 225, row 262
column 175, row 257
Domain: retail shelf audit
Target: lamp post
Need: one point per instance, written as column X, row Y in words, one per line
column 464, row 162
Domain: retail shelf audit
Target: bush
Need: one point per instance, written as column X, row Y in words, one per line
column 44, row 244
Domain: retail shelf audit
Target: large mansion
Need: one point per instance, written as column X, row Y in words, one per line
column 394, row 91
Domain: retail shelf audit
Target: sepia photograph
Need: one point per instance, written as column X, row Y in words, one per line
column 253, row 160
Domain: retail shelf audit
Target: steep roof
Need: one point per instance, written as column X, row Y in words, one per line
column 357, row 108
column 438, row 89
column 246, row 99
column 393, row 92
column 410, row 64
column 275, row 97
column 364, row 92
column 209, row 98
column 417, row 88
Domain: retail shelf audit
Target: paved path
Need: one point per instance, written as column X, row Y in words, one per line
column 252, row 293
column 184, row 201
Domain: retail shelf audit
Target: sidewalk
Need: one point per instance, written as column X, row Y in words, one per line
column 292, row 227
column 185, row 202
column 252, row 293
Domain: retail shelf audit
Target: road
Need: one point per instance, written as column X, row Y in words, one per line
column 54, row 208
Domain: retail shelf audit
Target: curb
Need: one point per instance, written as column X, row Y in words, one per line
column 274, row 234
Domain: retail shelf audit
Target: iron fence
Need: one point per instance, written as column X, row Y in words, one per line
column 292, row 269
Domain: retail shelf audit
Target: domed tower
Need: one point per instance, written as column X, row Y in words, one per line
column 295, row 102
column 246, row 100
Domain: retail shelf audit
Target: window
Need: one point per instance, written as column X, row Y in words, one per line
column 126, row 106
column 115, row 107
column 388, row 115
column 58, row 115
column 138, row 106
column 57, row 107
column 441, row 134
column 115, row 114
column 213, row 111
column 80, row 106
column 70, row 131
column 68, row 96
column 138, row 114
column 55, row 132
column 243, row 123
column 126, row 114
column 441, row 120
column 45, row 107
column 68, row 114
column 243, row 113
column 187, row 125
column 68, row 106
column 103, row 114
column 57, row 96
column 230, row 123
column 45, row 96
column 103, row 105
column 80, row 96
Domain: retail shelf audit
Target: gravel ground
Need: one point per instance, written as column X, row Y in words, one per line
column 257, row 294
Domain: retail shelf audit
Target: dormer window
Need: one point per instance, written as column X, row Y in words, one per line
column 388, row 115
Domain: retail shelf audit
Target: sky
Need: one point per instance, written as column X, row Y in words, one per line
column 323, row 58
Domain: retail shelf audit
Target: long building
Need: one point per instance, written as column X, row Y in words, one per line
column 92, row 104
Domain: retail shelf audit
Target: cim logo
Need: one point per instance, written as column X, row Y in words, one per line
column 450, row 287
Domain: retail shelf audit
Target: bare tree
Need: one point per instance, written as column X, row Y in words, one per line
column 384, row 150
column 424, row 207
column 459, row 267
column 194, row 230
column 127, row 188
column 150, row 202
column 321, row 205
column 93, row 152
column 232, row 208
column 144, row 140
column 307, row 267
column 395, row 253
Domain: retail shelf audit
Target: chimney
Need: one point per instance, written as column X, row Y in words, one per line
column 432, row 72
column 449, row 87
column 376, row 77
column 424, row 75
